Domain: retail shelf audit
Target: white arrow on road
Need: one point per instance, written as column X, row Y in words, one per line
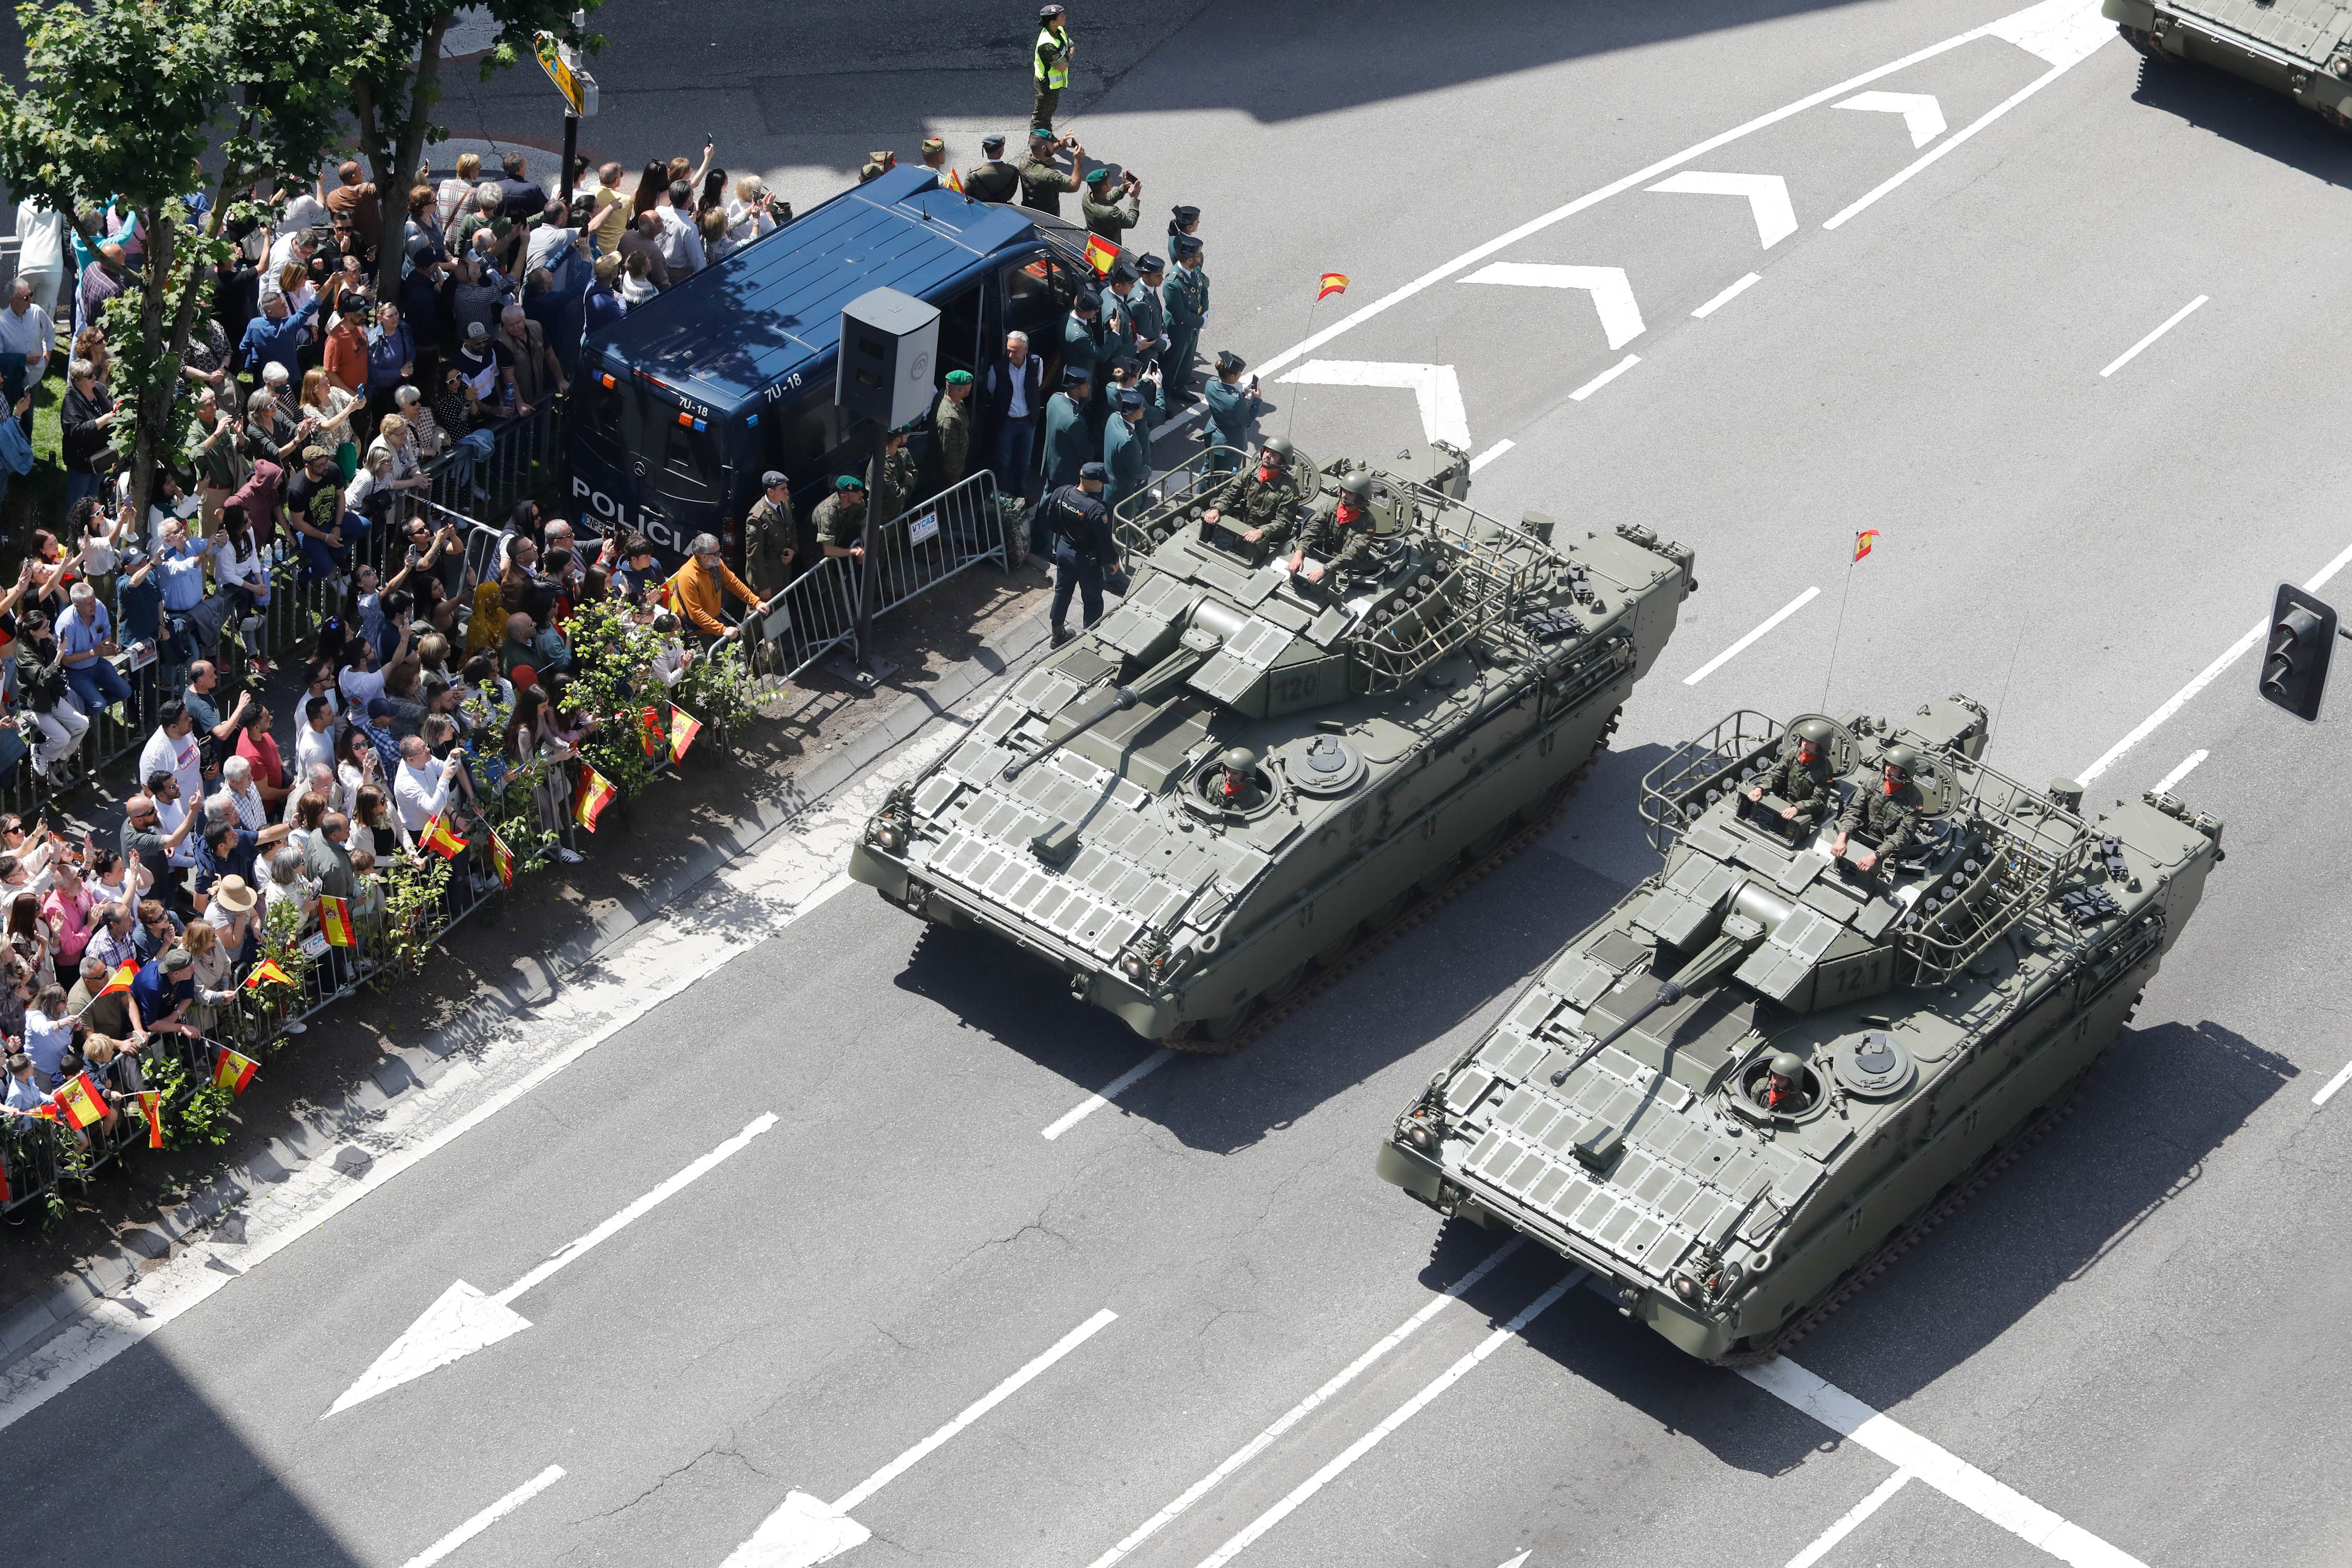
column 807, row 1530
column 1520, row 1560
column 1612, row 297
column 1434, row 386
column 1766, row 195
column 1919, row 110
column 465, row 1320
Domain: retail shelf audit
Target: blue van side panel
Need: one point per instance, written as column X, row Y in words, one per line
column 732, row 331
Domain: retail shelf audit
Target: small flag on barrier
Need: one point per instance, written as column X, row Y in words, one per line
column 588, row 803
column 503, row 858
column 683, row 727
column 121, row 979
column 81, row 1100
column 232, row 1071
column 268, row 970
column 649, row 734
column 335, row 919
column 1101, row 254
column 441, row 841
column 150, row 1110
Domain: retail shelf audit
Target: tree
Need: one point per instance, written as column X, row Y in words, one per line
column 128, row 97
column 394, row 98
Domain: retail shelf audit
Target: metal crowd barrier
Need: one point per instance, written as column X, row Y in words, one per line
column 922, row 547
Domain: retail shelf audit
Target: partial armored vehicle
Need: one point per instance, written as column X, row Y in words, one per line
column 2300, row 47
column 1738, row 1094
column 1240, row 777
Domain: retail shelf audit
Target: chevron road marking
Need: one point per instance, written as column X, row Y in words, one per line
column 1612, row 297
column 1434, row 386
column 1920, row 111
column 1767, row 196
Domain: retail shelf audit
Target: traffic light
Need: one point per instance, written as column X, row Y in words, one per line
column 2295, row 665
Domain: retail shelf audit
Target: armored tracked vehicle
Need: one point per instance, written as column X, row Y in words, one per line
column 1740, row 1092
column 2300, row 47
column 1238, row 779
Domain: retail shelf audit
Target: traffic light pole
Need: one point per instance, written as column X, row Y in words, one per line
column 571, row 151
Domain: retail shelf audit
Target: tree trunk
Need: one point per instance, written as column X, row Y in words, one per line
column 396, row 169
column 153, row 412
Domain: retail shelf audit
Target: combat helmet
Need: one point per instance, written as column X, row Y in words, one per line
column 1278, row 451
column 1901, row 758
column 1816, row 733
column 1789, row 1064
column 1357, row 485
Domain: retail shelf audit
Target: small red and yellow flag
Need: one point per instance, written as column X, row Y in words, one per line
column 81, row 1100
column 954, row 181
column 503, row 858
column 232, row 1071
column 268, row 970
column 441, row 841
column 1333, row 283
column 335, row 919
column 150, row 1111
column 683, row 727
column 1862, row 543
column 649, row 734
column 1101, row 254
column 588, row 803
column 120, row 979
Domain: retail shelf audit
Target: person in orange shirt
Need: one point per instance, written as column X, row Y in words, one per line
column 346, row 354
column 701, row 587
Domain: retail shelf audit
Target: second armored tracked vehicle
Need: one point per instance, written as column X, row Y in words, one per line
column 1236, row 777
column 1737, row 1093
column 2299, row 48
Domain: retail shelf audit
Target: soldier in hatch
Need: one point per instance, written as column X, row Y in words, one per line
column 1338, row 536
column 1235, row 784
column 1888, row 816
column 1783, row 1089
column 1265, row 499
column 1802, row 779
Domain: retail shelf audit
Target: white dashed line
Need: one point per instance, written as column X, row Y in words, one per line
column 1854, row 1516
column 2343, row 1077
column 2164, row 785
column 1735, row 650
column 1605, row 378
column 1728, row 295
column 1490, row 454
column 487, row 1518
column 2170, row 322
column 1110, row 1091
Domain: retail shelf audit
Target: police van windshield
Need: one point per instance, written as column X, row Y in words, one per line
column 631, row 426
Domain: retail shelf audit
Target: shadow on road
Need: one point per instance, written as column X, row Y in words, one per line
column 2235, row 110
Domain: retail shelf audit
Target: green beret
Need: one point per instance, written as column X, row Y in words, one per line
column 958, row 378
column 850, row 482
column 1096, row 175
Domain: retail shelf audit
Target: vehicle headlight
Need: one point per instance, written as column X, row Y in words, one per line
column 883, row 835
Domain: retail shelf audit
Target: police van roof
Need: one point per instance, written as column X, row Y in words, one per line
column 732, row 329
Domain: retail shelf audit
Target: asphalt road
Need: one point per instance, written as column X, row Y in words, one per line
column 2136, row 1329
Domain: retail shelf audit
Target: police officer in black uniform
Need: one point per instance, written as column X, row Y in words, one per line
column 1075, row 518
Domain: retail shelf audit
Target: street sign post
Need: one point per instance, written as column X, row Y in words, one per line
column 561, row 64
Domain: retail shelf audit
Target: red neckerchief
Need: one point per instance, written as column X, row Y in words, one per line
column 1235, row 785
column 1347, row 516
column 1893, row 784
column 1265, row 474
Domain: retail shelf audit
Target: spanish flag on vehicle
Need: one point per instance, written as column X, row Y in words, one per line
column 503, row 858
column 150, row 1111
column 1863, row 542
column 121, row 979
column 268, row 970
column 1333, row 283
column 683, row 727
column 441, row 841
column 954, row 181
column 335, row 919
column 1101, row 254
column 81, row 1100
column 232, row 1071
column 588, row 803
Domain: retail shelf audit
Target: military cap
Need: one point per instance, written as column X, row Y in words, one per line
column 1076, row 376
column 1123, row 365
column 1049, row 12
column 1183, row 245
column 885, row 157
column 1230, row 362
column 934, row 144
column 1130, row 397
column 1184, row 215
column 992, row 142
column 1039, row 134
column 958, row 378
column 909, row 428
column 1121, row 272
column 1097, row 175
column 771, row 480
column 1088, row 299
column 1147, row 264
column 850, row 482
column 1093, row 471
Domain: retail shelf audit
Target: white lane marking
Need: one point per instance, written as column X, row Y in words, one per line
column 2170, row 322
column 1612, row 297
column 2064, row 32
column 1605, row 378
column 1846, row 1521
column 1110, row 1091
column 806, row 1530
column 1396, row 1418
column 1728, row 295
column 1520, row 1560
column 2205, row 677
column 1735, row 650
column 1537, row 225
column 2188, row 766
column 1922, row 114
column 1434, row 387
column 1305, row 1408
column 1962, row 1482
column 1491, row 453
column 2343, row 1076
column 2065, row 60
column 1767, row 196
column 487, row 1518
column 463, row 1320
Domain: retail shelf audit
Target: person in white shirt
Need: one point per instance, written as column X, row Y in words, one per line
column 752, row 213
column 172, row 749
column 41, row 251
column 680, row 242
column 27, row 330
column 171, row 808
column 421, row 790
column 243, row 795
column 314, row 742
column 362, row 681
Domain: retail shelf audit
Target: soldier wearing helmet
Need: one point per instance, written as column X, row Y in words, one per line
column 1783, row 1089
column 1888, row 816
column 1803, row 777
column 1339, row 535
column 1265, row 499
column 1235, row 784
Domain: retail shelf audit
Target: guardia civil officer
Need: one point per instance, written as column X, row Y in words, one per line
column 1127, row 447
column 1146, row 312
column 1051, row 56
column 1232, row 408
column 1263, row 498
column 1888, row 816
column 992, row 179
column 1075, row 520
column 1803, row 777
column 771, row 537
column 1069, row 444
column 1186, row 295
column 1082, row 335
column 1183, row 220
column 1118, row 309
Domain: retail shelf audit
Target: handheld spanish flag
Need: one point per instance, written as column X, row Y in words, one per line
column 683, row 727
column 81, row 1100
column 150, row 1111
column 954, row 181
column 1333, row 283
column 1863, row 542
column 121, row 979
column 1101, row 254
column 649, row 734
column 503, row 858
column 232, row 1071
column 441, row 841
column 588, row 802
column 335, row 919
column 268, row 970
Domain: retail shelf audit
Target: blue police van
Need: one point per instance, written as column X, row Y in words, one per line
column 682, row 404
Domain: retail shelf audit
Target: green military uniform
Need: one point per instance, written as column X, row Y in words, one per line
column 994, row 181
column 1041, row 185
column 1337, row 544
column 1891, row 822
column 1270, row 504
column 1805, row 785
column 841, row 518
column 1111, row 219
column 1126, row 453
column 1117, row 326
column 1069, row 443
column 901, row 483
column 771, row 538
column 951, row 439
column 1186, row 295
column 1053, row 67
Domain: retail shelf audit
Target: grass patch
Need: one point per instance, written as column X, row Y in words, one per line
column 38, row 499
